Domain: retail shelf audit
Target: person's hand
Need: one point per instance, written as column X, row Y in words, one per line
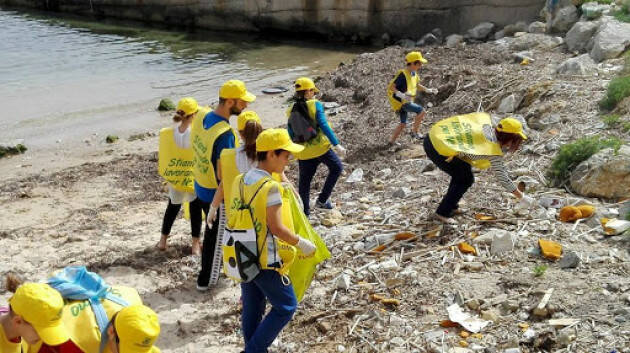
column 401, row 95
column 341, row 151
column 432, row 91
column 212, row 216
column 306, row 246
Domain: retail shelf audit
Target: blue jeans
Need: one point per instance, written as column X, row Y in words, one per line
column 409, row 107
column 308, row 167
column 259, row 333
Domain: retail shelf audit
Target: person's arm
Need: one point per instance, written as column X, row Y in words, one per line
column 218, row 195
column 400, row 87
column 427, row 90
column 278, row 229
column 322, row 122
column 499, row 170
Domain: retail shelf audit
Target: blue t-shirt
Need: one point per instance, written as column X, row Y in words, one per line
column 226, row 140
column 401, row 83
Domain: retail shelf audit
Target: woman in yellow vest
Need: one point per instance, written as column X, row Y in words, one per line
column 317, row 150
column 460, row 142
column 273, row 148
column 401, row 92
column 175, row 166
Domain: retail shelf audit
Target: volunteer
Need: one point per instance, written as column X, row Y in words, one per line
column 459, row 142
column 273, row 147
column 209, row 136
column 401, row 93
column 318, row 149
column 175, row 165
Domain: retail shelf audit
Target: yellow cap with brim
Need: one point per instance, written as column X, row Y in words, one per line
column 512, row 126
column 415, row 56
column 244, row 117
column 138, row 328
column 304, row 83
column 41, row 306
column 235, row 89
column 187, row 105
column 276, row 139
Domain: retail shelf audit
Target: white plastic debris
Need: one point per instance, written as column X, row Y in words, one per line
column 472, row 324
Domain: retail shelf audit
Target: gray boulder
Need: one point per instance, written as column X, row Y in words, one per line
column 454, row 40
column 529, row 41
column 579, row 35
column 537, row 27
column 593, row 10
column 510, row 29
column 605, row 174
column 611, row 40
column 481, row 31
column 565, row 18
column 543, row 122
column 406, row 43
column 509, row 104
column 579, row 66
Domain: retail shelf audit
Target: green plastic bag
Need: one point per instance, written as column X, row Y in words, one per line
column 303, row 269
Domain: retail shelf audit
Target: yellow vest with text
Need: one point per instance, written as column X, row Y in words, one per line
column 464, row 134
column 7, row 346
column 274, row 254
column 412, row 85
column 202, row 141
column 319, row 144
column 175, row 164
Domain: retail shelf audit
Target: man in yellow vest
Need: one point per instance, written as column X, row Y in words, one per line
column 209, row 136
column 401, row 93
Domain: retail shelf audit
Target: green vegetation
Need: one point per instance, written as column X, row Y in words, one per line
column 618, row 89
column 611, row 120
column 111, row 138
column 572, row 154
column 580, row 2
column 11, row 150
column 166, row 105
column 623, row 14
column 539, row 270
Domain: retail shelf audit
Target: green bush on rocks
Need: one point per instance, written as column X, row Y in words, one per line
column 166, row 105
column 6, row 151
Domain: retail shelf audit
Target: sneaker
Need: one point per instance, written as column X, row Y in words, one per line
column 202, row 288
column 417, row 136
column 445, row 220
column 325, row 205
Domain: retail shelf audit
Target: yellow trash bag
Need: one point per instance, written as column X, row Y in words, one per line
column 303, row 269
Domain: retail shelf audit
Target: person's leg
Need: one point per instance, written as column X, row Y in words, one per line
column 308, row 168
column 283, row 306
column 207, row 252
column 400, row 128
column 254, row 303
column 332, row 161
column 420, row 114
column 167, row 223
column 195, row 224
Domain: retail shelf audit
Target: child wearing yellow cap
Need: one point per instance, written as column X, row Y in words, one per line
column 175, row 161
column 273, row 149
column 460, row 142
column 401, row 93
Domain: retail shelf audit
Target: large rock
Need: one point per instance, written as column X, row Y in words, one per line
column 537, row 27
column 605, row 174
column 565, row 18
column 611, row 40
column 578, row 36
column 481, row 31
column 510, row 103
column 529, row 41
column 593, row 10
column 510, row 29
column 454, row 40
column 579, row 66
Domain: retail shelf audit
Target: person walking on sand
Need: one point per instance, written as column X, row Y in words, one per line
column 261, row 195
column 309, row 127
column 401, row 92
column 551, row 8
column 460, row 142
column 210, row 135
column 175, row 166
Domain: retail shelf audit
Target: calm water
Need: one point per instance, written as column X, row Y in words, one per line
column 64, row 79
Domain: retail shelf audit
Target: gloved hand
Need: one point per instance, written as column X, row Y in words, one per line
column 212, row 216
column 306, row 246
column 401, row 95
column 341, row 151
column 432, row 91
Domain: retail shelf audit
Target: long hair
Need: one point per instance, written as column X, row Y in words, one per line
column 250, row 133
column 300, row 103
column 506, row 138
column 12, row 282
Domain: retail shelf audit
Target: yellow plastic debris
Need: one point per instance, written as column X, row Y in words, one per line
column 483, row 217
column 477, row 336
column 463, row 343
column 524, row 326
column 550, row 249
column 569, row 214
column 587, row 210
column 464, row 334
column 525, row 62
column 466, row 248
column 603, row 221
column 404, row 236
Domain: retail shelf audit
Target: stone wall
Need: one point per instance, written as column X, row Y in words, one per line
column 363, row 19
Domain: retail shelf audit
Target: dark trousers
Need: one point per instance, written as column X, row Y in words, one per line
column 308, row 168
column 461, row 178
column 195, row 217
column 209, row 244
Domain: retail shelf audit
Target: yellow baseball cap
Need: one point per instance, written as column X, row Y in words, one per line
column 138, row 328
column 188, row 105
column 304, row 83
column 244, row 117
column 235, row 89
column 512, row 126
column 41, row 306
column 276, row 139
column 415, row 56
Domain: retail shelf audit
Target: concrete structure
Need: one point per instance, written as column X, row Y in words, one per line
column 342, row 19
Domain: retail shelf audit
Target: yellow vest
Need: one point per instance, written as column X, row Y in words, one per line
column 202, row 141
column 7, row 346
column 412, row 86
column 464, row 133
column 318, row 145
column 175, row 164
column 274, row 254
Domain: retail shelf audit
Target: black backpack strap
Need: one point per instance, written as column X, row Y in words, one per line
column 249, row 209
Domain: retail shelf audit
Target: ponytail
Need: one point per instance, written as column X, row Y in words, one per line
column 12, row 282
column 250, row 133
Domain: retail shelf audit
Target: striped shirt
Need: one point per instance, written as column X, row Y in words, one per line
column 496, row 162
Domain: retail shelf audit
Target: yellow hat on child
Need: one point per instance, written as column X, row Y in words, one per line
column 244, row 117
column 415, row 56
column 276, row 139
column 41, row 306
column 187, row 105
column 304, row 83
column 137, row 327
column 235, row 89
column 512, row 126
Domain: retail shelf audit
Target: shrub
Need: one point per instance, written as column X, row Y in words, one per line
column 611, row 120
column 618, row 89
column 539, row 270
column 572, row 154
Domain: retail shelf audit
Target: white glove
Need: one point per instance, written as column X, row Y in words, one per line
column 432, row 90
column 212, row 215
column 527, row 201
column 305, row 246
column 401, row 95
column 341, row 151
